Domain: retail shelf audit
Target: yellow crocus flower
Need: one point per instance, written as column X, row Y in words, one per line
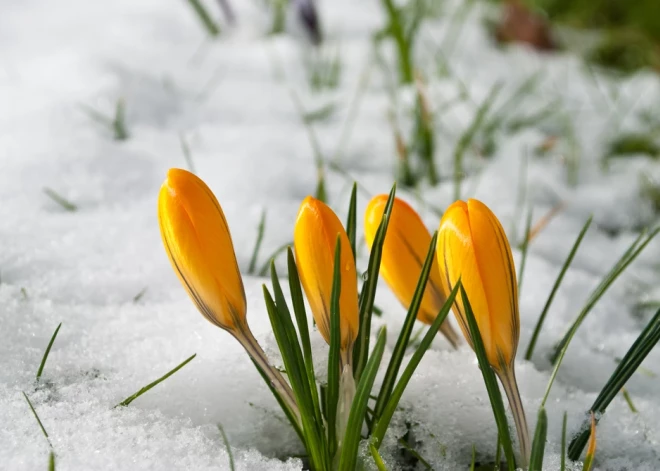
column 314, row 240
column 406, row 246
column 198, row 243
column 473, row 247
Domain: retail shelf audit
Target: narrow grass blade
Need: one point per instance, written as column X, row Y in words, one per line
column 380, row 464
column 263, row 271
column 51, row 461
column 525, row 88
column 626, row 259
column 468, row 135
column 351, row 220
column 591, row 450
column 354, row 107
column 397, row 32
column 624, row 370
column 384, row 421
column 334, row 362
column 119, row 123
column 491, row 383
column 96, row 115
column 628, row 399
column 524, row 250
column 36, row 416
column 538, row 445
column 140, row 295
column 61, row 200
column 521, row 194
column 133, row 397
column 207, row 21
column 473, row 462
column 187, row 155
column 368, row 292
column 299, row 310
column 319, row 158
column 414, row 453
column 551, row 297
column 257, row 245
column 228, row 447
column 45, row 357
column 404, row 335
column 562, row 464
column 349, row 449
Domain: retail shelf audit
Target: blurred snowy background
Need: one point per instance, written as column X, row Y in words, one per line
column 227, row 107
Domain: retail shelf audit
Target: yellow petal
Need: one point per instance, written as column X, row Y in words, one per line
column 472, row 246
column 406, row 245
column 314, row 239
column 198, row 243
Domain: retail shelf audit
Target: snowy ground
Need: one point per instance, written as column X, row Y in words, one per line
column 229, row 99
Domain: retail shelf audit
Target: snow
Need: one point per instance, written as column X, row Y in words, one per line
column 230, row 100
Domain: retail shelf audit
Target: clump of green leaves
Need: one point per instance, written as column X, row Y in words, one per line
column 329, row 448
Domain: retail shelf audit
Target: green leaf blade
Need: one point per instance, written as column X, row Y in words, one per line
column 490, row 380
column 555, row 288
column 334, row 361
column 368, row 293
column 538, row 445
column 404, row 335
column 351, row 220
column 349, row 450
column 378, row 432
column 47, row 352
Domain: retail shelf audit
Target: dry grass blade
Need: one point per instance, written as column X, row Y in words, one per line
column 543, row 222
column 591, row 449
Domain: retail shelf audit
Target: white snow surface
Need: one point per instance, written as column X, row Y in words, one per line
column 230, row 99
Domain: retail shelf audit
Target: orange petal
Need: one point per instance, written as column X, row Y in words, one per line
column 406, row 245
column 314, row 239
column 199, row 246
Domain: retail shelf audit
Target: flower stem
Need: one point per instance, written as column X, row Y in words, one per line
column 346, row 396
column 276, row 379
column 508, row 379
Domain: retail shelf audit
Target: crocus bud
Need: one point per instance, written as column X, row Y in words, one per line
column 406, row 246
column 472, row 246
column 314, row 240
column 198, row 243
